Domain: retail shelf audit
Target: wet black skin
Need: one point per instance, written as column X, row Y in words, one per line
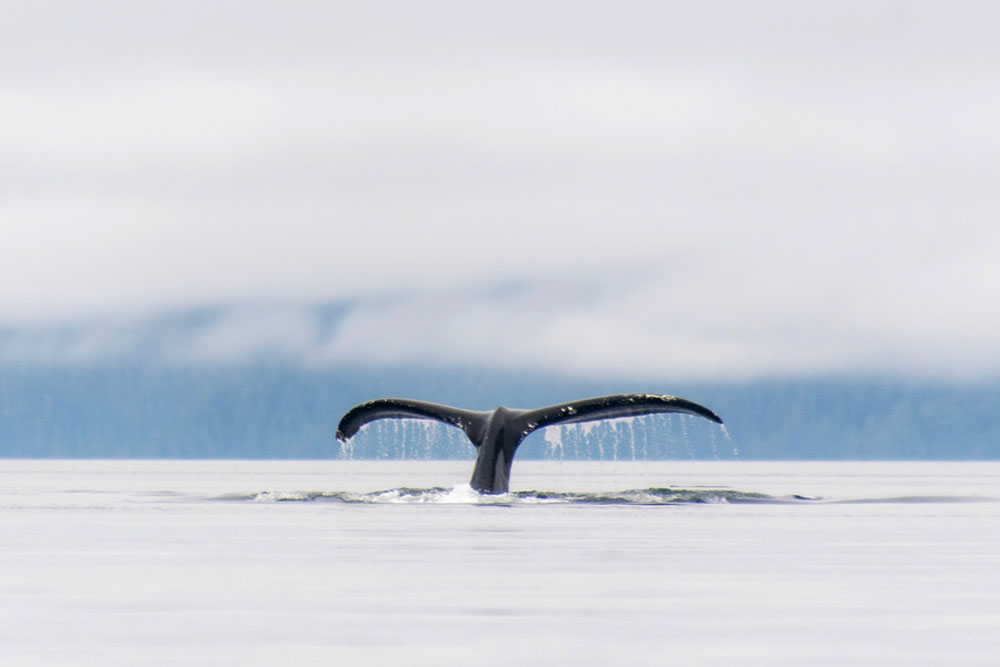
column 497, row 434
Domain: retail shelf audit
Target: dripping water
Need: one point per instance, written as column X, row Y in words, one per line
column 405, row 425
column 640, row 438
column 347, row 449
column 615, row 428
column 713, row 445
column 729, row 438
column 429, row 437
column 686, row 439
column 630, row 427
column 554, row 440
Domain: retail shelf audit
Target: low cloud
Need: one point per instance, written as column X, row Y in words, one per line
column 766, row 189
column 627, row 326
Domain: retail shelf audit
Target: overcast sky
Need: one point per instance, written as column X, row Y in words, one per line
column 705, row 189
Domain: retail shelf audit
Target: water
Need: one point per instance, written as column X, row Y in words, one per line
column 589, row 563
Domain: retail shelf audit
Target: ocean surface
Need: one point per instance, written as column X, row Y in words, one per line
column 584, row 563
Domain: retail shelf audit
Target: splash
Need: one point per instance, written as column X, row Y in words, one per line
column 463, row 494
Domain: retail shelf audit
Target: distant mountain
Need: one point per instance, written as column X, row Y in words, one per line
column 271, row 381
column 114, row 408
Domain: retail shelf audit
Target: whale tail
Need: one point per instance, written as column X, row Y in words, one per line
column 614, row 407
column 473, row 423
column 497, row 434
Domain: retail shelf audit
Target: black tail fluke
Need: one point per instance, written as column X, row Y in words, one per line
column 612, row 407
column 473, row 423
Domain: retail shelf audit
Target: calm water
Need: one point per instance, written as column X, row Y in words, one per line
column 354, row 562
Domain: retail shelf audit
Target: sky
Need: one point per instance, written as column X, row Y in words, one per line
column 709, row 190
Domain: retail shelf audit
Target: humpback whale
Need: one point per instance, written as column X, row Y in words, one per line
column 496, row 434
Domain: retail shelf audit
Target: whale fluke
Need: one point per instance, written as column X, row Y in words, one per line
column 496, row 434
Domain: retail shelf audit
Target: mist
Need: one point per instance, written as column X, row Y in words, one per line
column 713, row 190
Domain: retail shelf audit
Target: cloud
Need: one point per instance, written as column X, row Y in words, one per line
column 637, row 326
column 792, row 187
